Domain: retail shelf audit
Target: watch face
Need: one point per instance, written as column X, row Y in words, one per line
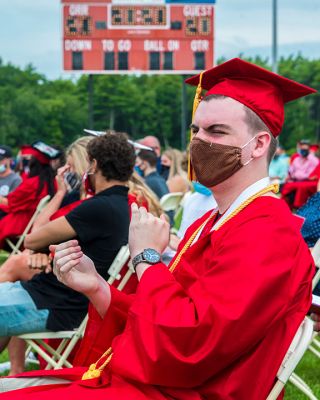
column 151, row 256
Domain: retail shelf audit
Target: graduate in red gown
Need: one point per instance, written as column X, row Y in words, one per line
column 22, row 202
column 216, row 324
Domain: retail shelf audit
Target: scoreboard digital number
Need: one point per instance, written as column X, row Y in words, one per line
column 138, row 16
column 78, row 25
column 198, row 26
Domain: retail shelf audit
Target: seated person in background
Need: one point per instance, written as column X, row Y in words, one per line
column 172, row 172
column 144, row 196
column 301, row 177
column 153, row 142
column 279, row 166
column 302, row 166
column 9, row 180
column 100, row 224
column 22, row 162
column 23, row 266
column 18, row 207
column 147, row 161
column 310, row 212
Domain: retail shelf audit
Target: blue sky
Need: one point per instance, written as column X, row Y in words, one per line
column 30, row 30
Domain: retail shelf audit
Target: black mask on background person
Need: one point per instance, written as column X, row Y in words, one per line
column 304, row 152
column 165, row 171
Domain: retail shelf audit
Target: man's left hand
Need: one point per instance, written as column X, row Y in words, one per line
column 147, row 231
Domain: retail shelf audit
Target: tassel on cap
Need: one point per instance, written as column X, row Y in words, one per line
column 196, row 102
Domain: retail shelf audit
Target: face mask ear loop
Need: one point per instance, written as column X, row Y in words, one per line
column 242, row 147
column 248, row 162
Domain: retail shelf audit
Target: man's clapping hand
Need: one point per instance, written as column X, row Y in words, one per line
column 73, row 268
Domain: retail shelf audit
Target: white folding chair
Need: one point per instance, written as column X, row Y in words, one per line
column 171, row 201
column 16, row 247
column 315, row 252
column 298, row 347
column 314, row 346
column 58, row 358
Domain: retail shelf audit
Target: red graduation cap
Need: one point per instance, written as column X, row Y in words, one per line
column 264, row 92
column 41, row 151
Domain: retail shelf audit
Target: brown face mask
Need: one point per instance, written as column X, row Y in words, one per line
column 213, row 163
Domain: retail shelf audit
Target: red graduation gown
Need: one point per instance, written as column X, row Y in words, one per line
column 217, row 328
column 22, row 203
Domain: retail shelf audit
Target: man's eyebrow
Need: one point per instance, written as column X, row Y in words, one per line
column 218, row 126
column 213, row 127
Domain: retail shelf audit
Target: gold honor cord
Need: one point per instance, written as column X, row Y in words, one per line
column 94, row 371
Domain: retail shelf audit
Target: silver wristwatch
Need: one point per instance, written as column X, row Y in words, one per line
column 149, row 256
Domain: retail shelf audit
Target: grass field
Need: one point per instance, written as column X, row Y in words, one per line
column 308, row 369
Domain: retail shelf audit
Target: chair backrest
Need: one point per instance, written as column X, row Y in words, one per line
column 316, row 258
column 171, row 201
column 296, row 350
column 118, row 263
column 16, row 247
column 315, row 252
column 42, row 203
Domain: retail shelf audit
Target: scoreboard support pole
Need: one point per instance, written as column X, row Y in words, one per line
column 90, row 102
column 183, row 113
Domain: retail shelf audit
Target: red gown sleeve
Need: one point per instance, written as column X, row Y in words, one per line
column 100, row 332
column 23, row 196
column 182, row 330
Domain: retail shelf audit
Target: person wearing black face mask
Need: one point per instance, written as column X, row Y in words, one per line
column 301, row 181
column 172, row 171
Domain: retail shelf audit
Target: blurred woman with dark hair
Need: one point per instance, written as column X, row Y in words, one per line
column 18, row 207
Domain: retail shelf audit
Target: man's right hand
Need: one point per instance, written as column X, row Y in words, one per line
column 74, row 269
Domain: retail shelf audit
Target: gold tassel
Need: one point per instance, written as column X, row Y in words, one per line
column 196, row 102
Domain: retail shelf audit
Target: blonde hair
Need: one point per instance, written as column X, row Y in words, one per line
column 78, row 152
column 176, row 158
column 143, row 193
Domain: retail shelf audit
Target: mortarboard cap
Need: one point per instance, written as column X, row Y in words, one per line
column 41, row 151
column 136, row 145
column 5, row 152
column 264, row 92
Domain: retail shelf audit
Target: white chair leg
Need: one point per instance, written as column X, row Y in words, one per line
column 302, row 386
column 314, row 351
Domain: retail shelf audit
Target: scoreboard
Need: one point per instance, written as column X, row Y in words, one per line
column 137, row 36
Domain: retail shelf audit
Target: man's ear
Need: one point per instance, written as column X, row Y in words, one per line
column 94, row 165
column 262, row 144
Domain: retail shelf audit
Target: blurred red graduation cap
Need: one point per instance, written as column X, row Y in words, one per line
column 41, row 151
